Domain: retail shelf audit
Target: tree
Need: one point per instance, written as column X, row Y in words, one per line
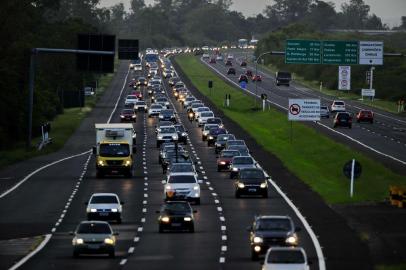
column 355, row 14
column 322, row 15
column 288, row 11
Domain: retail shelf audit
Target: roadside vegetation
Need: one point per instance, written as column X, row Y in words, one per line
column 309, row 154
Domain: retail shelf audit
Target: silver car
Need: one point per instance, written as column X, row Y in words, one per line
column 324, row 112
column 94, row 237
column 287, row 258
column 241, row 162
column 104, row 206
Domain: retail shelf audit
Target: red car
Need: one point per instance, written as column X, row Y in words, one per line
column 243, row 64
column 224, row 160
column 257, row 78
column 243, row 78
column 128, row 115
column 132, row 83
column 137, row 93
column 365, row 116
column 248, row 73
column 212, row 61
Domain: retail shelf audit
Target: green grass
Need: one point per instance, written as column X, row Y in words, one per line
column 385, row 105
column 391, row 267
column 63, row 126
column 314, row 158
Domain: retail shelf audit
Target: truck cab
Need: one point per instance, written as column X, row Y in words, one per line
column 283, row 78
column 114, row 149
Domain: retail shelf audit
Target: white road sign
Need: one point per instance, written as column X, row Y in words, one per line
column 371, row 53
column 344, row 78
column 304, row 110
column 368, row 92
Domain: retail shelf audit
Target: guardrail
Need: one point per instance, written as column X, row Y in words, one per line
column 397, row 196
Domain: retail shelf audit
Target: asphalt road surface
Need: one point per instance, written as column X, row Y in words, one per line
column 51, row 202
column 385, row 139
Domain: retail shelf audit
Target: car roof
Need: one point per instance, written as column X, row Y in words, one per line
column 182, row 173
column 272, row 217
column 104, row 194
column 94, row 221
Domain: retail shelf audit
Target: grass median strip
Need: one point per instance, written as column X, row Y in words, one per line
column 313, row 157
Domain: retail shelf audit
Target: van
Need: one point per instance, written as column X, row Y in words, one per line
column 283, row 78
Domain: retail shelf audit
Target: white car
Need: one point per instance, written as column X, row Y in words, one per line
column 203, row 118
column 286, row 258
column 199, row 110
column 188, row 100
column 130, row 100
column 219, row 58
column 182, row 186
column 206, row 56
column 338, row 106
column 137, row 67
column 166, row 134
column 104, row 206
column 154, row 110
column 140, row 106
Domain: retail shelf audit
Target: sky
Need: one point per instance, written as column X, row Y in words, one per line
column 389, row 11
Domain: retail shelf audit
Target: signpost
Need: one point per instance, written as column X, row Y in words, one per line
column 367, row 93
column 303, row 52
column 371, row 53
column 304, row 110
column 344, row 78
column 352, row 170
column 340, row 52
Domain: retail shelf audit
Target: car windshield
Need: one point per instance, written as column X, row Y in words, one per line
column 243, row 160
column 168, row 130
column 140, row 103
column 167, row 112
column 128, row 111
column 225, row 137
column 114, row 150
column 343, row 116
column 180, row 207
column 180, row 128
column 214, row 121
column 177, row 167
column 182, row 179
column 286, row 257
column 131, row 97
column 165, row 124
column 282, row 74
column 203, row 109
column 93, row 228
column 323, row 107
column 156, row 107
column 339, row 103
column 274, row 224
column 210, row 126
column 235, row 142
column 230, row 153
column 252, row 174
column 197, row 105
column 207, row 114
column 104, row 199
column 161, row 100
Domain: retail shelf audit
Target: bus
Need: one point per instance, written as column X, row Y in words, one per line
column 243, row 43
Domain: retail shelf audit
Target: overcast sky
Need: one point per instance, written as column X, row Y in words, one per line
column 389, row 10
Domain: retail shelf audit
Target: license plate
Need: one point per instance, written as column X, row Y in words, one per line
column 252, row 190
column 93, row 246
column 104, row 214
column 176, row 224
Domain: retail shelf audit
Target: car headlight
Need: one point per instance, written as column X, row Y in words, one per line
column 196, row 187
column 191, row 114
column 175, row 137
column 93, row 210
column 258, row 240
column 101, row 163
column 127, row 162
column 122, row 116
column 184, row 134
column 168, row 187
column 264, row 185
column 133, row 116
column 165, row 219
column 222, row 162
column 109, row 241
column 241, row 185
column 211, row 137
column 160, row 137
column 78, row 241
column 235, row 169
column 115, row 210
column 291, row 240
column 257, row 248
column 187, row 219
column 161, row 116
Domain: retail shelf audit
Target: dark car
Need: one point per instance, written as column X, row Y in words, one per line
column 182, row 133
column 283, row 78
column 251, row 181
column 248, row 73
column 128, row 115
column 172, row 81
column 141, row 81
column 229, row 63
column 242, row 149
column 215, row 120
column 243, row 78
column 176, row 215
column 167, row 146
column 269, row 231
column 213, row 133
column 365, row 116
column 172, row 156
column 167, row 115
column 224, row 160
column 231, row 71
column 243, row 64
column 221, row 142
column 342, row 119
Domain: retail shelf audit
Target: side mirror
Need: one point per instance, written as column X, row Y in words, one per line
column 200, row 181
column 71, row 233
column 122, row 202
column 116, row 233
column 157, row 211
column 195, row 211
column 298, row 229
column 94, row 151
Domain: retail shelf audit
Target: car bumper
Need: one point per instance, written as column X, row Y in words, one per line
column 104, row 216
column 89, row 248
column 252, row 190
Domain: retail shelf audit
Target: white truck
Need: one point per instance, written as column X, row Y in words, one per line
column 114, row 150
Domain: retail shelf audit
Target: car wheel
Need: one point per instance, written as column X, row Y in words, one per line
column 157, row 145
column 99, row 174
column 254, row 256
column 218, row 169
column 265, row 195
column 192, row 229
column 112, row 254
column 75, row 254
column 129, row 174
column 350, row 126
column 202, row 138
column 358, row 121
column 119, row 220
column 237, row 195
column 161, row 230
column 197, row 201
column 372, row 121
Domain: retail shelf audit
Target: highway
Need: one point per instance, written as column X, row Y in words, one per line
column 384, row 140
column 51, row 202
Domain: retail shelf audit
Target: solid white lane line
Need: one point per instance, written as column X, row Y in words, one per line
column 123, row 261
column 131, row 250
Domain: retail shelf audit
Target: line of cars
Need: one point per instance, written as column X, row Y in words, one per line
column 343, row 118
column 273, row 235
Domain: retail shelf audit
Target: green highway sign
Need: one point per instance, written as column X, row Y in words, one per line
column 340, row 52
column 321, row 52
column 303, row 52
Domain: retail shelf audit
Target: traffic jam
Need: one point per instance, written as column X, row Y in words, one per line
column 152, row 90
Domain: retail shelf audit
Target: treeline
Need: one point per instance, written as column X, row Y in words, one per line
column 389, row 79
